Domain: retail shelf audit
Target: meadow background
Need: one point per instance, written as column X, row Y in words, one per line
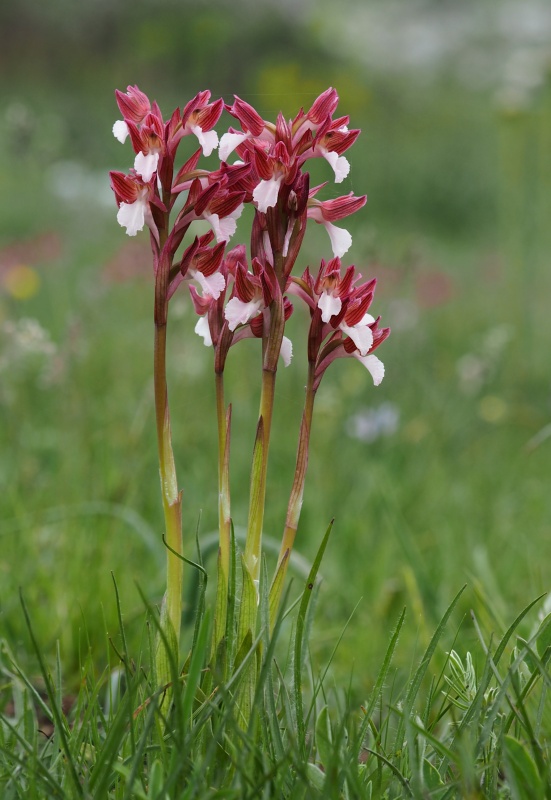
column 439, row 477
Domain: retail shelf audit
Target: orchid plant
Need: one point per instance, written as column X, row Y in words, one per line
column 238, row 295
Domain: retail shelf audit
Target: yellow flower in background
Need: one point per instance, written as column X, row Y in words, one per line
column 21, row 281
column 492, row 409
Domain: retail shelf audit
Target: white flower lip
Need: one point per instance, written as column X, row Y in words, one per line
column 202, row 329
column 146, row 165
column 330, row 305
column 120, row 130
column 266, row 192
column 341, row 239
column 225, row 227
column 228, row 143
column 340, row 165
column 207, row 139
column 132, row 216
column 360, row 334
column 286, row 351
column 374, row 366
column 211, row 285
column 237, row 312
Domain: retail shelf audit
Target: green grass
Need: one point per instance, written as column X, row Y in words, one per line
column 468, row 732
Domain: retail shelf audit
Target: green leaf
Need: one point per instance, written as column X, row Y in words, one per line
column 246, row 629
column 543, row 636
column 527, row 656
column 220, row 619
column 245, row 647
column 363, row 773
column 431, row 776
column 316, row 776
column 166, row 656
column 59, row 720
column 525, row 783
column 300, row 639
column 249, row 601
column 503, row 644
column 277, row 587
column 156, row 779
column 421, row 670
column 380, row 682
column 324, row 738
column 198, row 658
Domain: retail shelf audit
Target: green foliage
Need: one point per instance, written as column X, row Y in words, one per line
column 412, row 739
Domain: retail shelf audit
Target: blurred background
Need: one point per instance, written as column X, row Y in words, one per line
column 437, row 478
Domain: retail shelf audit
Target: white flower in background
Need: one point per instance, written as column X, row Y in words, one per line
column 370, row 424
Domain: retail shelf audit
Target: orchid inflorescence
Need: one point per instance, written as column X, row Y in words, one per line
column 236, row 297
column 269, row 175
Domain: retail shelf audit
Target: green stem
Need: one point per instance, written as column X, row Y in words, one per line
column 171, row 612
column 295, row 499
column 258, row 477
column 172, row 503
column 272, row 348
column 224, row 518
column 224, row 514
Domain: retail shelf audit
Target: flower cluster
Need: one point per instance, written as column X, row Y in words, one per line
column 233, row 299
column 340, row 323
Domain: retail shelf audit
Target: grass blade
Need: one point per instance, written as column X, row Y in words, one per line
column 421, row 670
column 300, row 637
